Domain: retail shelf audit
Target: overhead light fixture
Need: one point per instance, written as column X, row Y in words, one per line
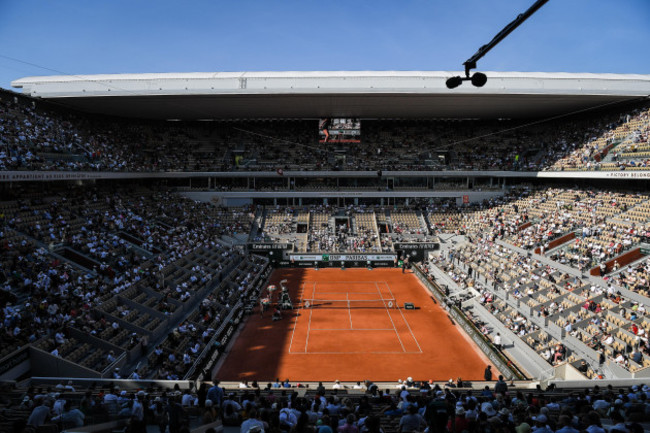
column 454, row 82
column 478, row 79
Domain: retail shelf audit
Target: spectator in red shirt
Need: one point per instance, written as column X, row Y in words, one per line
column 460, row 423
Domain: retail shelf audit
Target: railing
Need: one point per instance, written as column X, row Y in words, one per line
column 211, row 347
column 108, row 371
column 546, row 376
column 223, row 333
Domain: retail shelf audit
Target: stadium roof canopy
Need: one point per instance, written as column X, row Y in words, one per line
column 253, row 95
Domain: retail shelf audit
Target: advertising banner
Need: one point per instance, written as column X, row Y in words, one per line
column 341, row 257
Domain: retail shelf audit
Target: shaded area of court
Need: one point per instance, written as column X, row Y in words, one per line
column 354, row 328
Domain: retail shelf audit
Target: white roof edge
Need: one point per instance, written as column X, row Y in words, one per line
column 315, row 74
column 327, row 83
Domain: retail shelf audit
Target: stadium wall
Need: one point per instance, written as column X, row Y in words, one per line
column 239, row 198
column 15, row 364
column 45, row 364
column 31, row 176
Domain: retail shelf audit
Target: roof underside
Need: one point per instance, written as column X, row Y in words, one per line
column 313, row 106
column 323, row 94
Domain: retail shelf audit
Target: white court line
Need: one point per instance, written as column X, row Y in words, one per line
column 393, row 323
column 348, row 292
column 355, row 353
column 410, row 330
column 309, row 329
column 309, row 323
column 377, row 283
column 381, row 296
column 404, row 318
column 354, row 329
column 349, row 311
column 346, row 282
column 295, row 323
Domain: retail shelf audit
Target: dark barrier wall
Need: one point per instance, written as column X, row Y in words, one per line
column 557, row 242
column 15, row 364
column 337, row 264
column 282, row 255
column 336, row 260
column 623, row 260
column 524, row 226
column 45, row 364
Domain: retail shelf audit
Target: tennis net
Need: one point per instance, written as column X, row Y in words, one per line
column 352, row 303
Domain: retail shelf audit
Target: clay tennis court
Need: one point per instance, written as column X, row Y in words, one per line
column 351, row 325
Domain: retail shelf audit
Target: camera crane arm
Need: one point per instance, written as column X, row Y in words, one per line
column 471, row 62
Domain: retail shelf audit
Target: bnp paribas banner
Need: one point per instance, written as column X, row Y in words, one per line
column 341, row 257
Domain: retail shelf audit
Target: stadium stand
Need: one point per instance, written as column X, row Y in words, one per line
column 38, row 135
column 595, row 312
column 365, row 406
column 95, row 283
column 138, row 289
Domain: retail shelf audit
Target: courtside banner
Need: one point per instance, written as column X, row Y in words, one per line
column 341, row 257
column 359, row 257
column 306, row 257
column 427, row 246
column 268, row 246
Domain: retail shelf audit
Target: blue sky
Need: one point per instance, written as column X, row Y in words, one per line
column 131, row 36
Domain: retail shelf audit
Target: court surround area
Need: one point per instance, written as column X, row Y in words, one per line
column 351, row 325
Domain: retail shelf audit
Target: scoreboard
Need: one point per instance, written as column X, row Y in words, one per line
column 339, row 130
